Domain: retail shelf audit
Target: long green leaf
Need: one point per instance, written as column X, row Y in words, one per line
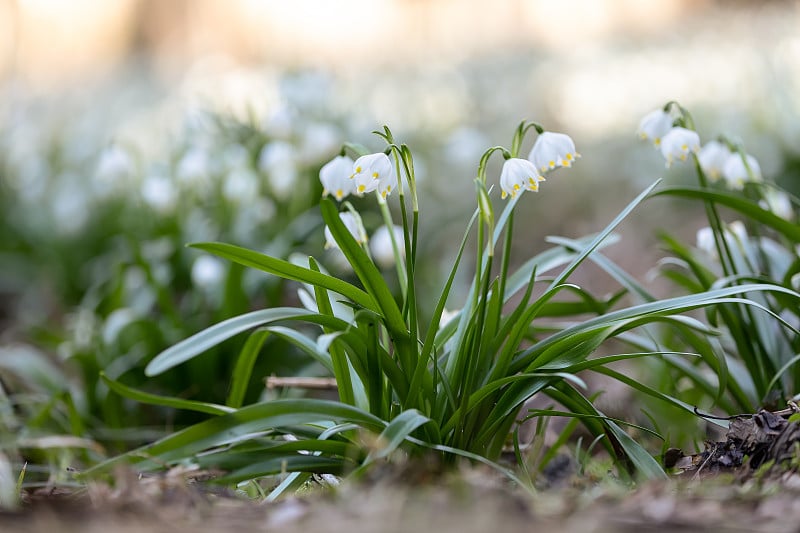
column 398, row 431
column 736, row 202
column 364, row 268
column 166, row 401
column 240, row 424
column 287, row 270
column 244, row 367
column 202, row 341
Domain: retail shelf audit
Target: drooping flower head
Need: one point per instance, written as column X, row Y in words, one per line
column 374, row 172
column 778, row 202
column 654, row 126
column 380, row 245
column 736, row 173
column 353, row 225
column 552, row 150
column 519, row 175
column 712, row 157
column 335, row 177
column 678, row 143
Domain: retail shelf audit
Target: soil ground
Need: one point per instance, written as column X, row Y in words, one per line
column 470, row 502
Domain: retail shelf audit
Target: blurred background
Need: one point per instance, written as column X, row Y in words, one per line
column 130, row 128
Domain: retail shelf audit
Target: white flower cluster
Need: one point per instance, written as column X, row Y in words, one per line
column 550, row 151
column 342, row 176
column 715, row 158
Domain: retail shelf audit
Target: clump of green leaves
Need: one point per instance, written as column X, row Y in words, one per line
column 452, row 387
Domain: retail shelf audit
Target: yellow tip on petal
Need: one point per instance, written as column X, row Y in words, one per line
column 552, row 164
column 339, row 194
column 374, row 175
column 503, row 195
column 361, row 188
column 569, row 157
column 358, row 170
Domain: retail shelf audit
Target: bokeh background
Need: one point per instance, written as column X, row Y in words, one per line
column 129, row 128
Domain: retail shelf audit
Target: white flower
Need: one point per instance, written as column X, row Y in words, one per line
column 735, row 235
column 380, row 244
column 115, row 164
column 374, row 172
column 678, row 143
column 353, row 224
column 705, row 240
column 278, row 160
column 194, row 166
column 654, row 126
column 335, row 177
column 159, row 192
column 778, row 202
column 712, row 157
column 207, row 271
column 736, row 172
column 553, row 150
column 518, row 175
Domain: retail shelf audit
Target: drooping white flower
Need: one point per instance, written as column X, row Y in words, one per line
column 380, row 245
column 553, row 150
column 778, row 202
column 374, row 172
column 354, row 226
column 654, row 126
column 735, row 235
column 678, row 143
column 736, row 173
column 335, row 177
column 519, row 175
column 705, row 240
column 712, row 157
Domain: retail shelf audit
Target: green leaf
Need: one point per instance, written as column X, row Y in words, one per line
column 166, row 401
column 288, row 270
column 366, row 271
column 736, row 202
column 244, row 367
column 243, row 423
column 398, row 431
column 210, row 337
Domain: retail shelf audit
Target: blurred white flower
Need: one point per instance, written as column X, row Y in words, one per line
column 712, row 157
column 678, row 143
column 240, row 185
column 115, row 164
column 335, row 177
column 207, row 271
column 159, row 193
column 465, row 146
column 518, row 175
column 380, row 244
column 735, row 235
column 194, row 167
column 353, row 224
column 705, row 240
column 319, row 139
column 69, row 204
column 278, row 161
column 736, row 173
column 279, row 123
column 654, row 126
column 778, row 202
column 374, row 172
column 553, row 150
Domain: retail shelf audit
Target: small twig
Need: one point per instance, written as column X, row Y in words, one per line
column 274, row 382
